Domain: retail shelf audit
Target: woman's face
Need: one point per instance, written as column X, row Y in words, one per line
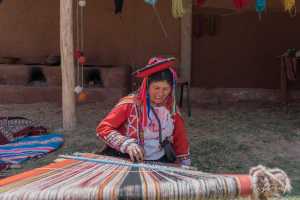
column 159, row 91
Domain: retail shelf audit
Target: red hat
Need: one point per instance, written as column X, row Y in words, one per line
column 155, row 64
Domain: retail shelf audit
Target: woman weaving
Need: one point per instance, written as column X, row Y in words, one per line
column 146, row 125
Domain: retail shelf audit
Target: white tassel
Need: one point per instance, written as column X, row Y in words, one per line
column 269, row 183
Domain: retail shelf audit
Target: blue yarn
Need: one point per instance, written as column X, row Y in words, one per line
column 260, row 5
column 148, row 105
column 151, row 2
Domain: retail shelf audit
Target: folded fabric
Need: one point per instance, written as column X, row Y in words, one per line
column 12, row 128
column 29, row 147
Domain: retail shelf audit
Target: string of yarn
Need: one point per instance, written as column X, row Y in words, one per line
column 239, row 4
column 290, row 7
column 260, row 6
column 151, row 2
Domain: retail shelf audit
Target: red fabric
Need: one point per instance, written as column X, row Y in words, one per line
column 123, row 116
column 239, row 4
column 180, row 141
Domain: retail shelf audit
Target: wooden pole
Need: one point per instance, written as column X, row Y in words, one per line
column 67, row 64
column 186, row 41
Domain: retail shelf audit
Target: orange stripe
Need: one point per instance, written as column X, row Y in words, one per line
column 246, row 185
column 35, row 172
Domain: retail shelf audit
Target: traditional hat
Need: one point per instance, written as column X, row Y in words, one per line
column 155, row 64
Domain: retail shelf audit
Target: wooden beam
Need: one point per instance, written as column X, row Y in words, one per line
column 67, row 64
column 186, row 41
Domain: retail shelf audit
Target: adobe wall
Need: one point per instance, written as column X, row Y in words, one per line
column 30, row 28
column 243, row 53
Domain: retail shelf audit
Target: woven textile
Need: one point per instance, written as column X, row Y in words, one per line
column 29, row 147
column 102, row 177
column 12, row 128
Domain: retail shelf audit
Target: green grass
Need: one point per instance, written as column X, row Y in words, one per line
column 234, row 138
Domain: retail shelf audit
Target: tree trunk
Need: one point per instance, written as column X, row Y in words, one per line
column 67, row 64
column 186, row 41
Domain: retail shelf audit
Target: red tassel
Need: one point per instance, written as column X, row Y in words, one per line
column 199, row 3
column 239, row 4
column 143, row 98
column 78, row 53
column 82, row 60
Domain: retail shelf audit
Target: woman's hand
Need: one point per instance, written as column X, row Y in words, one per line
column 136, row 152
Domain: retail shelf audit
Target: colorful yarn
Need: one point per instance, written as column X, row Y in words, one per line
column 174, row 90
column 260, row 6
column 143, row 97
column 151, row 2
column 91, row 176
column 239, row 4
column 290, row 6
column 200, row 3
column 177, row 9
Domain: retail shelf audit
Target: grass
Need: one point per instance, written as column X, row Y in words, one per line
column 224, row 138
column 234, row 138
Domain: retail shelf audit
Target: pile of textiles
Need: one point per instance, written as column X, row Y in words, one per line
column 12, row 128
column 21, row 139
column 91, row 176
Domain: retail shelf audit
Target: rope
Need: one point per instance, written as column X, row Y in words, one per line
column 82, row 39
column 80, row 58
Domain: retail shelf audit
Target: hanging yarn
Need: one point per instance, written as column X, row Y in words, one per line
column 200, row 3
column 239, row 4
column 269, row 183
column 260, row 6
column 79, row 55
column 151, row 2
column 290, row 7
column 118, row 6
column 177, row 8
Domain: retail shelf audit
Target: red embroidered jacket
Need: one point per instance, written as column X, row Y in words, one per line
column 122, row 126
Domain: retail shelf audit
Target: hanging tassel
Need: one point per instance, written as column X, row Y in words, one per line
column 118, row 6
column 260, row 7
column 177, row 9
column 239, row 4
column 174, row 90
column 142, row 95
column 199, row 3
column 290, row 7
column 148, row 105
column 151, row 2
column 269, row 183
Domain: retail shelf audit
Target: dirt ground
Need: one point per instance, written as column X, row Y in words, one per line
column 224, row 137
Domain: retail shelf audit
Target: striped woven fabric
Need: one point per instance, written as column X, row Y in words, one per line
column 90, row 176
column 29, row 147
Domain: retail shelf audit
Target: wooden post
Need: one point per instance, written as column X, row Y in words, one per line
column 67, row 64
column 186, row 41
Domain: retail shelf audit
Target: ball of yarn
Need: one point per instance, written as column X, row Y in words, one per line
column 82, row 97
column 269, row 183
column 78, row 89
column 82, row 60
